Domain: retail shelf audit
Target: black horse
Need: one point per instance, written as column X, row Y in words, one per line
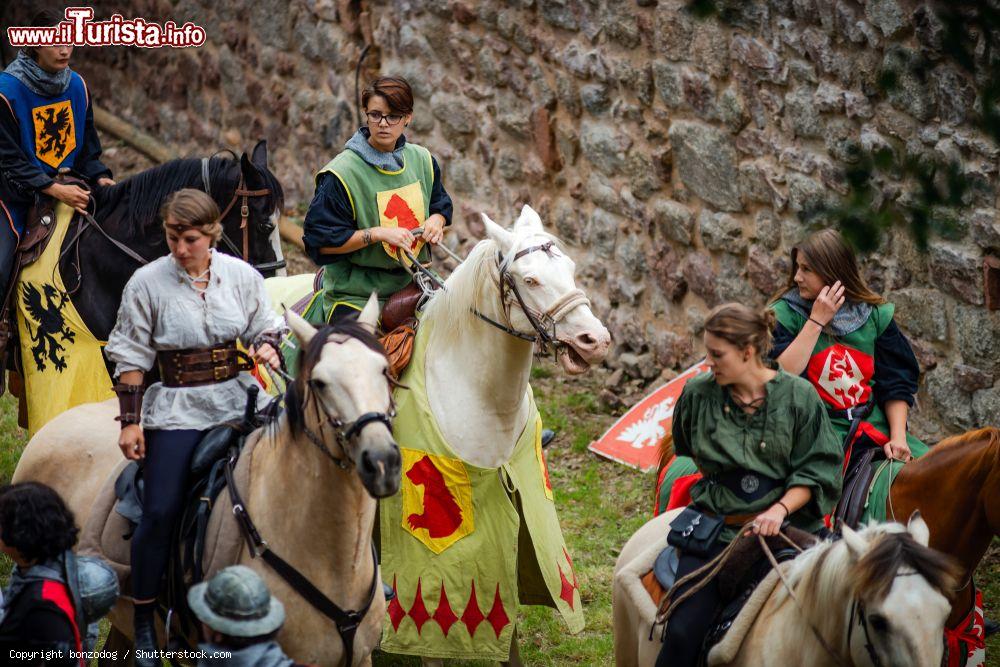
column 95, row 270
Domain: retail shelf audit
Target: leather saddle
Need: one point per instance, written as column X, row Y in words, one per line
column 212, row 448
column 857, row 482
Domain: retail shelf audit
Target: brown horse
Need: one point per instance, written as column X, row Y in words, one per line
column 956, row 487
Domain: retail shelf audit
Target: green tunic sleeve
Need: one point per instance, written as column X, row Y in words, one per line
column 816, row 458
column 681, row 425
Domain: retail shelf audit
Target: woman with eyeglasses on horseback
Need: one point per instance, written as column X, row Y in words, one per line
column 184, row 313
column 767, row 452
column 841, row 336
column 368, row 199
column 46, row 123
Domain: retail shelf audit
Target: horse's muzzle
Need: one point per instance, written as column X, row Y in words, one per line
column 379, row 469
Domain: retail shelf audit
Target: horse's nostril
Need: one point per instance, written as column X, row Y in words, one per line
column 366, row 462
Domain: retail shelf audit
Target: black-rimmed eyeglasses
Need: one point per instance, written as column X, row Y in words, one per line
column 376, row 118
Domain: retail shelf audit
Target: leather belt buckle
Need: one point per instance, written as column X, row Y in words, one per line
column 850, row 413
column 221, row 373
column 220, row 354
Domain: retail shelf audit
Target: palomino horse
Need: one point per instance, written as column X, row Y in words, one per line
column 312, row 479
column 878, row 596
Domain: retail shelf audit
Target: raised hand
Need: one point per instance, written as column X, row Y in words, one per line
column 826, row 305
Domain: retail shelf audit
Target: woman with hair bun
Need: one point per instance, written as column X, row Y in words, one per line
column 184, row 313
column 368, row 199
column 767, row 452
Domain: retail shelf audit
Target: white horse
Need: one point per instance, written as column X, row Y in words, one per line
column 877, row 593
column 309, row 487
column 477, row 373
column 476, row 340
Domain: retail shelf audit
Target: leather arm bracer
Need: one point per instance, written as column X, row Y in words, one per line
column 129, row 403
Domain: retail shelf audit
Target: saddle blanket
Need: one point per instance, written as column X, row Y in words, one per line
column 62, row 361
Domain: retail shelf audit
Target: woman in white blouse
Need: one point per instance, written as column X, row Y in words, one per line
column 183, row 312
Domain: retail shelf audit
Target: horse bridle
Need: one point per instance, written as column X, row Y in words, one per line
column 343, row 432
column 241, row 192
column 544, row 323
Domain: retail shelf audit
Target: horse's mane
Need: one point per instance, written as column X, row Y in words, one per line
column 144, row 193
column 295, row 395
column 464, row 288
column 826, row 577
column 989, row 434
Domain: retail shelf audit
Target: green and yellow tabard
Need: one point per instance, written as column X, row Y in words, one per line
column 379, row 198
column 462, row 545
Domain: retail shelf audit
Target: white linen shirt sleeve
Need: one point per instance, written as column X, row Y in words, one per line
column 130, row 345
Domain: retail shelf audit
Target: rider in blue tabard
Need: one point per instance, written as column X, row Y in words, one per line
column 46, row 124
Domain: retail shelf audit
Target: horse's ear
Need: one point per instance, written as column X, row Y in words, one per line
column 302, row 329
column 856, row 545
column 918, row 528
column 369, row 314
column 248, row 168
column 259, row 154
column 503, row 238
column 529, row 218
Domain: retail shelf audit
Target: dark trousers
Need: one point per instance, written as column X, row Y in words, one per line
column 164, row 473
column 692, row 619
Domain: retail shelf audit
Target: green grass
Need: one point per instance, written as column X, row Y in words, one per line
column 600, row 505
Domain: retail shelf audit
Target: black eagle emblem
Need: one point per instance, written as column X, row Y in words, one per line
column 55, row 129
column 50, row 325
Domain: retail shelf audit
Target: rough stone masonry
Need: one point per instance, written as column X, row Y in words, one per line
column 676, row 155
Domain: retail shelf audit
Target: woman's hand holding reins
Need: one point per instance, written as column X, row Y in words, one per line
column 132, row 442
column 826, row 305
column 266, row 354
column 395, row 236
column 434, row 229
column 71, row 195
column 897, row 449
column 768, row 522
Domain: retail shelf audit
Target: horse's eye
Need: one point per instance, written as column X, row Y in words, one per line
column 318, row 385
column 531, row 282
column 879, row 623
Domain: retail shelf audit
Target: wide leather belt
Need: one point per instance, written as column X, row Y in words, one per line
column 746, row 485
column 198, row 367
column 854, row 414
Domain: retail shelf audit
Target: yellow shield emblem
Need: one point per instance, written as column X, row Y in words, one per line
column 55, row 132
column 402, row 207
column 437, row 499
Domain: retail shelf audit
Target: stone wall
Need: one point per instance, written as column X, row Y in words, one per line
column 676, row 155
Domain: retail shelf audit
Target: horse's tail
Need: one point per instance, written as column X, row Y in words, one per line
column 665, row 448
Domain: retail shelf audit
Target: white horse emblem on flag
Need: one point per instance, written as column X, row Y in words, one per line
column 649, row 430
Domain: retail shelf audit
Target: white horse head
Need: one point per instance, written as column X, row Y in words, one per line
column 892, row 589
column 546, row 282
column 344, row 378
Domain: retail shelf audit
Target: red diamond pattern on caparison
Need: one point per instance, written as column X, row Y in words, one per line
column 566, row 591
column 418, row 612
column 472, row 616
column 396, row 611
column 444, row 615
column 498, row 617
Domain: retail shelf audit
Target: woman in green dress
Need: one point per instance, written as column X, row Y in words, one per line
column 368, row 200
column 765, row 446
